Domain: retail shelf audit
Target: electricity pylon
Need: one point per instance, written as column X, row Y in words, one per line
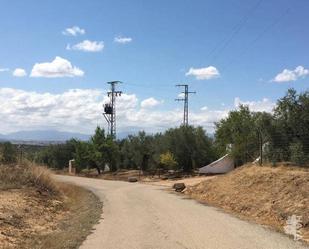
column 186, row 102
column 110, row 108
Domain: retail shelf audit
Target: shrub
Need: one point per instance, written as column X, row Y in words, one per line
column 8, row 153
column 297, row 153
column 168, row 161
column 27, row 175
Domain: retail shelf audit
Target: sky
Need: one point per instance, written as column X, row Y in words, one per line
column 56, row 57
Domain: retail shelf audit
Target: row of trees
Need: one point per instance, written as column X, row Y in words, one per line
column 282, row 135
column 183, row 148
column 279, row 136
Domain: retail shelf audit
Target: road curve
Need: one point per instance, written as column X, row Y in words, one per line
column 138, row 216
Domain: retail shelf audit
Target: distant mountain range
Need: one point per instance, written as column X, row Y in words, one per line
column 48, row 136
column 43, row 135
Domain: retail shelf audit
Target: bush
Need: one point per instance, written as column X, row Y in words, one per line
column 297, row 153
column 8, row 153
column 27, row 175
column 168, row 161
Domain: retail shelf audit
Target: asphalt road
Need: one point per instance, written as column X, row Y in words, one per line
column 138, row 216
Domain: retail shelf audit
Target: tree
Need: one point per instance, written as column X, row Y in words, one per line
column 168, row 161
column 104, row 151
column 190, row 146
column 56, row 156
column 8, row 153
column 240, row 130
column 83, row 156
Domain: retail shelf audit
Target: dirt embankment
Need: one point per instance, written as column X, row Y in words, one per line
column 266, row 195
column 37, row 212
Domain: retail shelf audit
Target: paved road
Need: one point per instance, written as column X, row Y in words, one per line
column 138, row 216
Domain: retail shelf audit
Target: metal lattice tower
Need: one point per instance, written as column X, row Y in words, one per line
column 186, row 102
column 110, row 108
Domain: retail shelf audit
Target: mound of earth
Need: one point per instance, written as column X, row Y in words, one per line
column 267, row 195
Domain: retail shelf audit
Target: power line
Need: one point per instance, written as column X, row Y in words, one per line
column 153, row 86
column 259, row 36
column 186, row 102
column 236, row 29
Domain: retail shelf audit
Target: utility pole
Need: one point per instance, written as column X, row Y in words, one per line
column 186, row 102
column 110, row 108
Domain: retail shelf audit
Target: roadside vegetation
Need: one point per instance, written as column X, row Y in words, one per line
column 38, row 212
column 266, row 195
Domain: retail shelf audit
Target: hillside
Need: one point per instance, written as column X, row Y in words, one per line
column 43, row 135
column 266, row 195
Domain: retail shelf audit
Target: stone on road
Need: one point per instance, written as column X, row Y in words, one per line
column 138, row 216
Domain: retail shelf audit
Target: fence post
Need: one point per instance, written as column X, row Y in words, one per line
column 261, row 147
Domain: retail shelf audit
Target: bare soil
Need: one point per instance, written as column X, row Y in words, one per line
column 267, row 195
column 189, row 181
column 43, row 213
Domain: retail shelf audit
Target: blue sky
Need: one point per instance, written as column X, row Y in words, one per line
column 248, row 43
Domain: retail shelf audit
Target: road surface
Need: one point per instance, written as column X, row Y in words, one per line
column 138, row 216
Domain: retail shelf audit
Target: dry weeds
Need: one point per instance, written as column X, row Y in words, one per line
column 267, row 195
column 38, row 212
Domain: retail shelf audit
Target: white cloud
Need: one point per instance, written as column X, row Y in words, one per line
column 205, row 73
column 204, row 108
column 74, row 31
column 4, row 69
column 291, row 75
column 181, row 95
column 19, row 72
column 264, row 105
column 122, row 40
column 150, row 102
column 59, row 67
column 80, row 110
column 87, row 46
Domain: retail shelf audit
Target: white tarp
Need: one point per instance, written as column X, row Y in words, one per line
column 222, row 165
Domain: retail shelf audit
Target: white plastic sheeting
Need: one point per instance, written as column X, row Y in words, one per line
column 222, row 165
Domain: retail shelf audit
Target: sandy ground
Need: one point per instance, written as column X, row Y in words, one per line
column 24, row 213
column 140, row 216
column 190, row 181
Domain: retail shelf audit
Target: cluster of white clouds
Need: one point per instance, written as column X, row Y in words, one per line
column 122, row 40
column 87, row 46
column 150, row 102
column 59, row 67
column 19, row 72
column 205, row 73
column 264, row 105
column 291, row 75
column 80, row 110
column 74, row 31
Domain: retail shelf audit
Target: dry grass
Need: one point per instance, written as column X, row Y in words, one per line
column 82, row 211
column 266, row 194
column 38, row 212
column 27, row 175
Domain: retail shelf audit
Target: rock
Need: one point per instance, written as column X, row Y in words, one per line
column 179, row 186
column 132, row 179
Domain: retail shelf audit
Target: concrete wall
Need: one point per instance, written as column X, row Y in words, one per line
column 222, row 165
